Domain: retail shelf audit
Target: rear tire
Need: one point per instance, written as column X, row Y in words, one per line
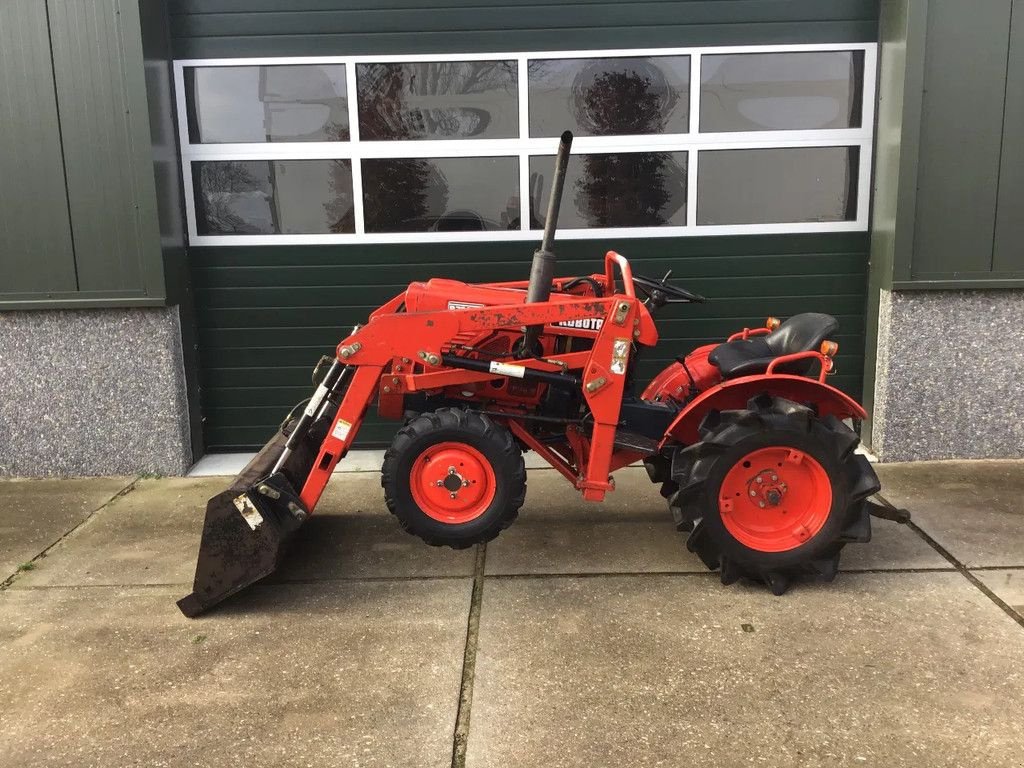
column 775, row 492
column 454, row 478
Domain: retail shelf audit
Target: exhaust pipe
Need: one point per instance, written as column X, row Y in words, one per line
column 543, row 269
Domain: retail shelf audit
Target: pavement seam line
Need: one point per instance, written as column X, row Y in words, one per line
column 962, row 569
column 39, row 556
column 460, row 738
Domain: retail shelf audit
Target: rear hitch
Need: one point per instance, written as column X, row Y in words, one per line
column 886, row 511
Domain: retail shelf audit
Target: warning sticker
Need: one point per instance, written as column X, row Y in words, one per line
column 341, row 430
column 505, row 369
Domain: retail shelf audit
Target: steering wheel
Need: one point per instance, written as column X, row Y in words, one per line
column 661, row 292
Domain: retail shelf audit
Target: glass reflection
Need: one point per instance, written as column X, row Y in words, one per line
column 781, row 91
column 267, row 104
column 452, row 194
column 625, row 189
column 609, row 96
column 763, row 186
column 273, row 197
column 438, row 100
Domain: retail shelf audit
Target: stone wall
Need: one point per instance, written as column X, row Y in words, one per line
column 92, row 392
column 950, row 375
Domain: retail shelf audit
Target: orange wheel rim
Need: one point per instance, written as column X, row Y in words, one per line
column 775, row 499
column 452, row 482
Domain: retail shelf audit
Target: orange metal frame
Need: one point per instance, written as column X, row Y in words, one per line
column 399, row 352
column 418, row 339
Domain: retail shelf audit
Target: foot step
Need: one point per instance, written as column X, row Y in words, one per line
column 631, row 441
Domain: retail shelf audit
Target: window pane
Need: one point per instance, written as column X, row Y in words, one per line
column 762, row 186
column 630, row 189
column 450, row 194
column 259, row 104
column 272, row 197
column 610, row 97
column 438, row 100
column 778, row 91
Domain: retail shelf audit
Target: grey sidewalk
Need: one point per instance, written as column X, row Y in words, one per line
column 585, row 635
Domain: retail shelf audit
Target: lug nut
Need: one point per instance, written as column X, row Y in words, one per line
column 753, row 493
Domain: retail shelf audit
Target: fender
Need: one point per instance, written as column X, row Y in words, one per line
column 734, row 394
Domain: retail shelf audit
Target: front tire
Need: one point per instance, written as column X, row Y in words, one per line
column 775, row 491
column 454, row 478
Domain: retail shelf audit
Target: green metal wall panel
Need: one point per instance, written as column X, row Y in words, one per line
column 1008, row 253
column 35, row 233
column 215, row 28
column 961, row 127
column 80, row 218
column 267, row 313
column 97, row 69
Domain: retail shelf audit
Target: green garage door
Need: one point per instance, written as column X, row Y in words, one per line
column 286, row 257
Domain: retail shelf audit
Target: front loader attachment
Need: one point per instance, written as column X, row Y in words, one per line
column 248, row 526
column 246, row 530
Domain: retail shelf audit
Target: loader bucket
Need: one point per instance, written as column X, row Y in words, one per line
column 248, row 526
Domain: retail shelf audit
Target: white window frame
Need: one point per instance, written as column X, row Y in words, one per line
column 523, row 148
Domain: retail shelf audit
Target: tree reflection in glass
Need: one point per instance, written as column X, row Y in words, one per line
column 625, row 189
column 267, row 197
column 438, row 100
column 622, row 189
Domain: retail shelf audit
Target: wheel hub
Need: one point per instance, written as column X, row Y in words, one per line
column 452, row 482
column 775, row 499
column 766, row 488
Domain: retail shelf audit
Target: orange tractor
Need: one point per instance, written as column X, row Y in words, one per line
column 752, row 448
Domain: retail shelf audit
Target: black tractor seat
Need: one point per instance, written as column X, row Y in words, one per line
column 801, row 333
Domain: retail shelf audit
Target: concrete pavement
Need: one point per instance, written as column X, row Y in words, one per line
column 585, row 635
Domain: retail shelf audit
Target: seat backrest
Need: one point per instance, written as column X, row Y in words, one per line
column 801, row 333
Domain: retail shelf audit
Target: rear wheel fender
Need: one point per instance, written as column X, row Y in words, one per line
column 735, row 393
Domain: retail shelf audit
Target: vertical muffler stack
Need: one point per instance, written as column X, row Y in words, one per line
column 248, row 526
column 542, row 272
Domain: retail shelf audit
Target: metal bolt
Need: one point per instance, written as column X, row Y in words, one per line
column 454, row 495
column 405, row 360
column 439, row 483
column 760, row 504
column 398, row 368
column 753, row 493
column 623, row 307
column 394, row 380
column 465, row 483
column 759, row 479
column 451, row 470
column 774, row 478
column 387, row 390
column 266, row 490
